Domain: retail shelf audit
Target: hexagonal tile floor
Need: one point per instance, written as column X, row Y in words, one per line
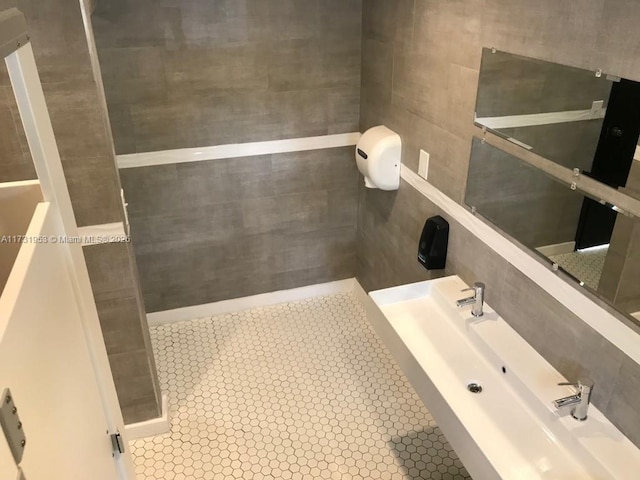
column 302, row 390
column 585, row 265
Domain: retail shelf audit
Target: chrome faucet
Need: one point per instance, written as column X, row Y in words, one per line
column 477, row 299
column 578, row 402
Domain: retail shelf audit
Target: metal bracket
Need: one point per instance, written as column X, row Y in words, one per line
column 12, row 426
column 117, row 443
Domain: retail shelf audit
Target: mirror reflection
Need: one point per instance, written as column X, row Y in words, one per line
column 548, row 217
column 574, row 117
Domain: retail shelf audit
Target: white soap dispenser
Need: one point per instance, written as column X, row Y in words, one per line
column 378, row 156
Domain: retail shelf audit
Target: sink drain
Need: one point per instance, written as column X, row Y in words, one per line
column 474, row 387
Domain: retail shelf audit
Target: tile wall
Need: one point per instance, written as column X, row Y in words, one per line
column 202, row 73
column 208, row 73
column 58, row 39
column 210, row 231
column 420, row 71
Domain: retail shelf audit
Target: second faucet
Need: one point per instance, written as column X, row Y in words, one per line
column 477, row 299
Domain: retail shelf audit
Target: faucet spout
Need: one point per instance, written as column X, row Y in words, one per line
column 463, row 302
column 569, row 401
column 578, row 402
column 477, row 299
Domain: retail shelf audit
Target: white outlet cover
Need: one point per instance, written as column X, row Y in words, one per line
column 423, row 164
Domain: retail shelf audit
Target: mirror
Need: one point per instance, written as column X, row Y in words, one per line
column 576, row 118
column 549, row 218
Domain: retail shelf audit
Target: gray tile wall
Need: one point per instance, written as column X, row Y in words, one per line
column 124, row 326
column 72, row 100
column 214, row 230
column 16, row 161
column 198, row 73
column 207, row 73
column 420, row 72
column 58, row 39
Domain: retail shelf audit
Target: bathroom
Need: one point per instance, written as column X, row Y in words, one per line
column 139, row 91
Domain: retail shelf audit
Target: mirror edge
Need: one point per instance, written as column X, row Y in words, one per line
column 624, row 317
column 564, row 175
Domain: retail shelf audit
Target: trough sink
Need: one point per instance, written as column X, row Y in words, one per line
column 510, row 429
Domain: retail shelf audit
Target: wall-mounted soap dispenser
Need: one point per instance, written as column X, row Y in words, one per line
column 378, row 156
column 432, row 249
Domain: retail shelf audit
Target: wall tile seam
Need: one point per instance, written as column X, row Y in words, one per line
column 399, row 104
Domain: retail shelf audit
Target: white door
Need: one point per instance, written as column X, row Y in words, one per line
column 45, row 362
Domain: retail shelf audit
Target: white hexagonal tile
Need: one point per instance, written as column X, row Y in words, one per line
column 302, row 390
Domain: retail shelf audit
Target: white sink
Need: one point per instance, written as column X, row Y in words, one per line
column 510, row 430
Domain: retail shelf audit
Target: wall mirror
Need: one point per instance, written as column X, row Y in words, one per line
column 574, row 117
column 545, row 215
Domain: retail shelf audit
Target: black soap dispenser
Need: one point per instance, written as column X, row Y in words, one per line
column 432, row 250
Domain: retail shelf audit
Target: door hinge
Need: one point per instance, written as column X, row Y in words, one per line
column 117, row 443
column 12, row 426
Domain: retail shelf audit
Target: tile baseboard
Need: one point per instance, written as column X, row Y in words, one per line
column 557, row 248
column 244, row 303
column 150, row 428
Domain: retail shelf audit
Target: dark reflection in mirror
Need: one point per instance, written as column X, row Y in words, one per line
column 545, row 215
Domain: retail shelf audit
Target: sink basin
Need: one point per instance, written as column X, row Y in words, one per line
column 491, row 392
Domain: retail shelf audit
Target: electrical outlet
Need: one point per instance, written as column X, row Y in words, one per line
column 423, row 164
